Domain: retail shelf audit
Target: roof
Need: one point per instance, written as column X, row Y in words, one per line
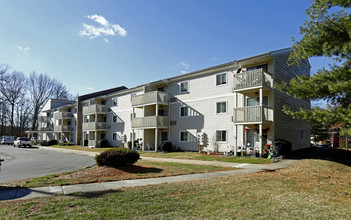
column 101, row 93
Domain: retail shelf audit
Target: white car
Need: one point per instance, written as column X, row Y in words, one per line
column 22, row 141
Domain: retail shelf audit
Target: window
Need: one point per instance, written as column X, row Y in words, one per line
column 114, row 118
column 114, row 101
column 221, row 107
column 103, row 102
column 184, row 111
column 114, row 136
column 256, row 101
column 184, row 136
column 131, row 116
column 221, row 79
column 184, row 87
column 302, row 135
column 221, row 136
column 264, row 67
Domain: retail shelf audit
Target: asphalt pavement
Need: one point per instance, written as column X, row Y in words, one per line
column 23, row 163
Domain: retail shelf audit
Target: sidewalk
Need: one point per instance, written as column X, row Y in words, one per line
column 96, row 187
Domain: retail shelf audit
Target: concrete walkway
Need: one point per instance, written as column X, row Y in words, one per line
column 27, row 193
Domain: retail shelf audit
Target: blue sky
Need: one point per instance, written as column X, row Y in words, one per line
column 96, row 45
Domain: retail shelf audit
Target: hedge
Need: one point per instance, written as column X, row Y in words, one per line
column 117, row 157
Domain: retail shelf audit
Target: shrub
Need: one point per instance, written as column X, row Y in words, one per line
column 43, row 143
column 166, row 146
column 103, row 143
column 52, row 142
column 117, row 157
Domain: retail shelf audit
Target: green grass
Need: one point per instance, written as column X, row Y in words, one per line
column 311, row 189
column 197, row 156
column 182, row 155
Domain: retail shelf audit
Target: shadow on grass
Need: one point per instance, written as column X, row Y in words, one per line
column 89, row 195
column 139, row 169
column 324, row 153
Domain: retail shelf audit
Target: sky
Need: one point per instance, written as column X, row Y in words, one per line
column 96, row 45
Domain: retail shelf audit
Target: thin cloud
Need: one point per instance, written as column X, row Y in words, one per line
column 24, row 49
column 185, row 66
column 101, row 28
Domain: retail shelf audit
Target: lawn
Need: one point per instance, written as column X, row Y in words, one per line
column 141, row 169
column 182, row 155
column 316, row 188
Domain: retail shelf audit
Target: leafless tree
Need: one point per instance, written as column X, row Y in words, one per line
column 23, row 112
column 60, row 91
column 13, row 89
column 41, row 89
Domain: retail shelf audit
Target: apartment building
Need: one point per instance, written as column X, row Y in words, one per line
column 222, row 108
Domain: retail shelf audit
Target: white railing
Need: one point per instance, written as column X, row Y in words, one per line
column 96, row 108
column 93, row 143
column 94, row 126
column 60, row 115
column 252, row 114
column 43, row 119
column 150, row 122
column 252, row 78
column 63, row 128
column 44, row 128
column 150, row 97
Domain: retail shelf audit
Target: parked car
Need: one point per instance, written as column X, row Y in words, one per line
column 22, row 141
column 7, row 139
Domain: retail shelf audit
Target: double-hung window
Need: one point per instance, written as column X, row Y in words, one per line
column 114, row 118
column 184, row 87
column 221, row 136
column 184, row 136
column 221, row 79
column 221, row 107
column 184, row 111
column 114, row 136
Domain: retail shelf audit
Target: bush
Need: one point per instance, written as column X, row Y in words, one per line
column 43, row 143
column 284, row 146
column 166, row 146
column 103, row 143
column 52, row 142
column 117, row 157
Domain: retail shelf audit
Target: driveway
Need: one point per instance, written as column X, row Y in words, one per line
column 23, row 163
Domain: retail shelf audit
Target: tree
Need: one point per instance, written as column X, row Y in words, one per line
column 41, row 88
column 13, row 90
column 327, row 32
column 60, row 91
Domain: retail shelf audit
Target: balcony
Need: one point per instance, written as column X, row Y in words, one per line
column 63, row 128
column 252, row 79
column 44, row 129
column 150, row 98
column 150, row 122
column 63, row 115
column 43, row 119
column 252, row 114
column 94, row 109
column 94, row 126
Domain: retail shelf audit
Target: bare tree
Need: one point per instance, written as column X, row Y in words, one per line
column 23, row 112
column 60, row 91
column 3, row 106
column 13, row 89
column 41, row 89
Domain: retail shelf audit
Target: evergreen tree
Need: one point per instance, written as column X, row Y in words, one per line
column 327, row 32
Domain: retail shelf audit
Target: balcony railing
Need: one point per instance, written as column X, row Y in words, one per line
column 63, row 128
column 250, row 114
column 252, row 78
column 96, row 108
column 43, row 119
column 150, row 122
column 63, row 115
column 44, row 128
column 150, row 98
column 93, row 143
column 94, row 126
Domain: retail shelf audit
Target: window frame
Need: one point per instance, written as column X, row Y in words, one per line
column 226, row 108
column 114, row 136
column 226, row 136
column 180, row 87
column 180, row 111
column 113, row 116
column 226, row 79
column 114, row 101
column 180, row 136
